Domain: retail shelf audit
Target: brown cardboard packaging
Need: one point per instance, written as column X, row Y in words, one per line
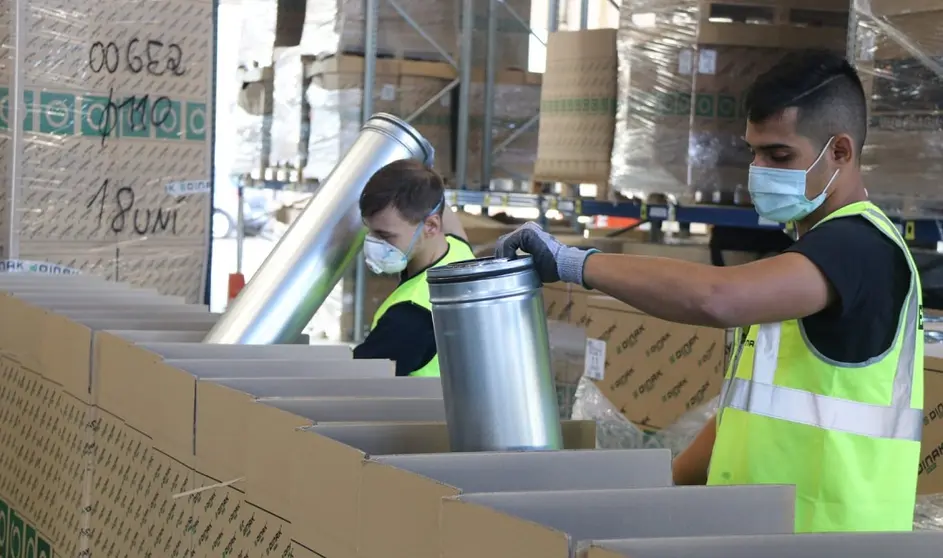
column 420, row 482
column 655, row 371
column 578, row 107
column 930, row 480
column 516, row 101
column 549, row 524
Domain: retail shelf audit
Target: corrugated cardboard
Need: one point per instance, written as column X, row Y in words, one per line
column 655, row 370
column 930, row 480
column 863, row 545
column 327, row 491
column 578, row 107
column 548, row 524
column 419, row 482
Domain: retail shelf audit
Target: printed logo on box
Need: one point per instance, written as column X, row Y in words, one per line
column 27, row 266
column 57, row 113
column 187, row 187
column 196, row 121
column 5, row 109
column 94, row 117
column 171, row 121
column 18, row 538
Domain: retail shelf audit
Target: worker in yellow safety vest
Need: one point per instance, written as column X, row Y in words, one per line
column 410, row 229
column 825, row 386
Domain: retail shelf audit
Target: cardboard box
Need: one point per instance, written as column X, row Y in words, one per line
column 930, row 480
column 684, row 116
column 578, row 107
column 420, row 482
column 327, row 490
column 516, row 101
column 902, row 156
column 548, row 524
column 865, row 545
column 655, row 371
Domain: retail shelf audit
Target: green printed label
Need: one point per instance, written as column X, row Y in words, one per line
column 18, row 538
column 6, row 110
column 56, row 113
column 196, row 121
column 726, row 106
column 704, row 105
column 583, row 105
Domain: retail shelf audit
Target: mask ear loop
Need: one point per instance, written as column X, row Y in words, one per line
column 412, row 243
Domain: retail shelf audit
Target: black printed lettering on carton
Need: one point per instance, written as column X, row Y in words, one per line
column 684, row 350
column 698, row 398
column 648, row 385
column 658, row 345
column 622, row 380
column 934, row 414
column 929, row 462
column 631, row 340
column 675, row 391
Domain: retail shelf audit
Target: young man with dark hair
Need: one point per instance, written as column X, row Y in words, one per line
column 410, row 230
column 825, row 385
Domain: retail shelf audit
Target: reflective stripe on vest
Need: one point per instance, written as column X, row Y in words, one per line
column 897, row 420
column 416, row 290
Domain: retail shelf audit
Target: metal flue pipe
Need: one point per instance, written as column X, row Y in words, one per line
column 310, row 259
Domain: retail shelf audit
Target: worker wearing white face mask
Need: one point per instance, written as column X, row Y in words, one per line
column 410, row 230
column 825, row 386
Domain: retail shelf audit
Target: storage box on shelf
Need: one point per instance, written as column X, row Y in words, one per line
column 337, row 26
column 578, row 109
column 898, row 46
column 688, row 65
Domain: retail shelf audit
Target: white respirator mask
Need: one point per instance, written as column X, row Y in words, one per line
column 385, row 259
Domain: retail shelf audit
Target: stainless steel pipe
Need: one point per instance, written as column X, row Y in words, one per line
column 310, row 259
column 494, row 356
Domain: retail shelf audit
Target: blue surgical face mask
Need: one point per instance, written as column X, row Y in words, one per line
column 779, row 194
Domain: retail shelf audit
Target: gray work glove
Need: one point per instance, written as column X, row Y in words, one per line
column 553, row 260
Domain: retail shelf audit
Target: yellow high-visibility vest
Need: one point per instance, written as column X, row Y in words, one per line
column 846, row 435
column 416, row 290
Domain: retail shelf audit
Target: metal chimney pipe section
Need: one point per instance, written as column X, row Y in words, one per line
column 494, row 356
column 311, row 258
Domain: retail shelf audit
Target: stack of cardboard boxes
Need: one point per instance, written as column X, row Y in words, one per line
column 141, row 440
column 899, row 44
column 685, row 81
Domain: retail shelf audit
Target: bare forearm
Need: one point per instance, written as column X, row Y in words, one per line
column 673, row 290
column 690, row 468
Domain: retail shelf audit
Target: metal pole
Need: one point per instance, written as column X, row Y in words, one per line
column 553, row 16
column 486, row 124
column 464, row 93
column 584, row 14
column 240, row 225
column 371, row 13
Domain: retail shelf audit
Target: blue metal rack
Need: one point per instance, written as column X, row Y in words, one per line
column 921, row 231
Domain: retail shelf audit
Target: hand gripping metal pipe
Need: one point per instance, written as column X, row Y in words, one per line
column 494, row 356
column 310, row 259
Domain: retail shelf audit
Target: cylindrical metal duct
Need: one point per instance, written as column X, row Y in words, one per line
column 494, row 356
column 310, row 259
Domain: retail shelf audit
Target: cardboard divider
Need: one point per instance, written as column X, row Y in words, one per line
column 248, row 352
column 419, row 482
column 361, row 409
column 336, row 387
column 296, row 367
column 328, row 481
column 158, row 336
column 548, row 524
column 861, row 545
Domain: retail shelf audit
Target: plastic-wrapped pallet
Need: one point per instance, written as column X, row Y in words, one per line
column 337, row 26
column 109, row 147
column 289, row 125
column 684, row 67
column 335, row 95
column 899, row 48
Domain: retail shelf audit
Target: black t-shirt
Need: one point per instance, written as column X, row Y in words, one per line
column 871, row 278
column 403, row 334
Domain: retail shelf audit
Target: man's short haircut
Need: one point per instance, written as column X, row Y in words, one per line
column 408, row 185
column 824, row 88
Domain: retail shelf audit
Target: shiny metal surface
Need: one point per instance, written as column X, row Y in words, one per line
column 304, row 266
column 494, row 356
